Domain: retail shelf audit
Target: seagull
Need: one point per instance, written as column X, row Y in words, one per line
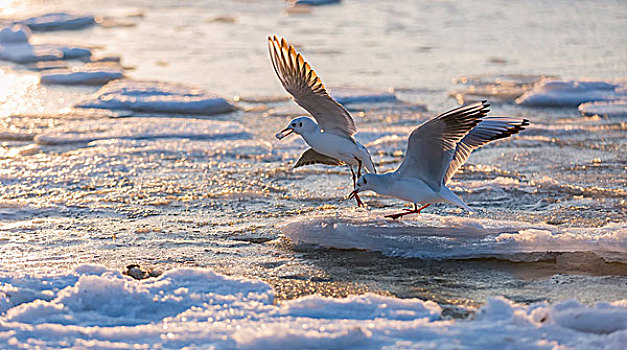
column 435, row 151
column 330, row 135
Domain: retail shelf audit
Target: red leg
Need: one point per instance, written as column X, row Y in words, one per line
column 416, row 210
column 359, row 202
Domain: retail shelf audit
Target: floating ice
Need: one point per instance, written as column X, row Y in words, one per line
column 93, row 307
column 58, row 21
column 315, row 2
column 348, row 95
column 157, row 97
column 140, row 128
column 450, row 237
column 81, row 76
column 14, row 34
column 611, row 109
column 558, row 93
column 14, row 47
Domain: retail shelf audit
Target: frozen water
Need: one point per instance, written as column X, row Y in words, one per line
column 451, row 237
column 140, row 128
column 612, row 109
column 157, row 97
column 95, row 307
column 14, row 34
column 58, row 21
column 567, row 93
column 81, row 76
column 349, row 95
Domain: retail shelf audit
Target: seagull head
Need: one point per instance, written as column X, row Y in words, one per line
column 366, row 182
column 299, row 126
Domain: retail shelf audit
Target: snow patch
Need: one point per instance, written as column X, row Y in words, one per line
column 570, row 93
column 157, row 97
column 451, row 237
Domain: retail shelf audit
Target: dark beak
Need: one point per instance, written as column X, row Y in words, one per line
column 283, row 133
column 352, row 194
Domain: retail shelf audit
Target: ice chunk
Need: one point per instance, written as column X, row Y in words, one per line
column 495, row 87
column 58, row 21
column 14, row 34
column 445, row 237
column 571, row 93
column 26, row 53
column 82, row 131
column 92, row 307
column 157, row 97
column 348, row 95
column 81, row 76
column 611, row 109
column 315, row 2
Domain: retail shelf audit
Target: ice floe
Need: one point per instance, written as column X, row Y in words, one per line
column 138, row 128
column 58, row 21
column 495, row 87
column 348, row 95
column 571, row 93
column 92, row 307
column 451, row 237
column 81, row 76
column 157, row 97
column 14, row 47
column 315, row 2
column 611, row 109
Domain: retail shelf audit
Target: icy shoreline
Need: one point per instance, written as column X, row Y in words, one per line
column 92, row 307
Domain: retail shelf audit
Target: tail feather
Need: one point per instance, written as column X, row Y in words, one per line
column 452, row 198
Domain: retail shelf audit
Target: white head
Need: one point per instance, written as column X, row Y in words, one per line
column 367, row 182
column 300, row 125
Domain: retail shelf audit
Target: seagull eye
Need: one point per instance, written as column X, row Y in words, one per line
column 300, row 124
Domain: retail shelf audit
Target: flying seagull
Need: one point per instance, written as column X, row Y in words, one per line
column 330, row 135
column 435, row 151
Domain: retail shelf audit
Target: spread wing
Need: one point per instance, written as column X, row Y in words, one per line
column 489, row 129
column 431, row 146
column 307, row 89
column 312, row 157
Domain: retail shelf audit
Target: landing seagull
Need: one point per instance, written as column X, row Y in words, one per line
column 435, row 151
column 330, row 136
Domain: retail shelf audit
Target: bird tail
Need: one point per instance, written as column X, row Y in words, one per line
column 452, row 198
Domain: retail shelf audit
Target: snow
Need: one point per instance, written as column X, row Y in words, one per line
column 81, row 76
column 567, row 93
column 58, row 21
column 612, row 109
column 137, row 128
column 157, row 97
column 93, row 307
column 446, row 237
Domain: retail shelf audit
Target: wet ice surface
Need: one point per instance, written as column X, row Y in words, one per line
column 121, row 184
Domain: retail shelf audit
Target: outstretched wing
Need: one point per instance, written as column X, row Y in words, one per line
column 431, row 146
column 307, row 89
column 489, row 129
column 312, row 157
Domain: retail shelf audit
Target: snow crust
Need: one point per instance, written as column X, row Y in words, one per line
column 92, row 307
column 567, row 93
column 157, row 97
column 58, row 21
column 445, row 237
column 86, row 76
column 137, row 128
column 612, row 109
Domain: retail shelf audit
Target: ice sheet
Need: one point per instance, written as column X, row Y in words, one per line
column 612, row 109
column 92, row 307
column 58, row 21
column 86, row 76
column 448, row 237
column 157, row 97
column 567, row 93
column 140, row 128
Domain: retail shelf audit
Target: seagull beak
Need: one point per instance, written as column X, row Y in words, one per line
column 283, row 133
column 352, row 194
